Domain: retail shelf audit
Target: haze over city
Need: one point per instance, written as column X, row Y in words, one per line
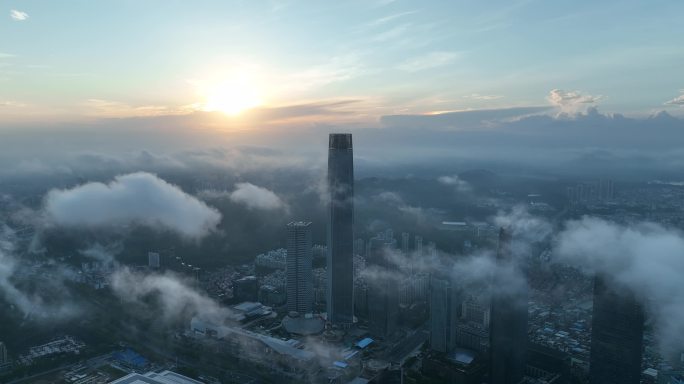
column 377, row 191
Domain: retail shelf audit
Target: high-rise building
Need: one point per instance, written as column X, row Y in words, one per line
column 473, row 310
column 340, row 293
column 3, row 353
column 418, row 245
column 508, row 325
column 405, row 242
column 383, row 289
column 444, row 314
column 153, row 260
column 359, row 247
column 299, row 276
column 432, row 249
column 616, row 336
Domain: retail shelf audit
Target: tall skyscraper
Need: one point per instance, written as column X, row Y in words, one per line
column 299, row 276
column 340, row 294
column 3, row 353
column 508, row 325
column 444, row 313
column 383, row 289
column 153, row 260
column 418, row 245
column 405, row 242
column 616, row 336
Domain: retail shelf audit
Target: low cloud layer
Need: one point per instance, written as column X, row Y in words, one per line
column 176, row 298
column 645, row 258
column 45, row 299
column 136, row 198
column 255, row 197
column 458, row 183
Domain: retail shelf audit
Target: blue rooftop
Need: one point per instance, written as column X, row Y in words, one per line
column 364, row 343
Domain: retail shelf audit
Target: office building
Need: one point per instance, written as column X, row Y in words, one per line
column 473, row 310
column 616, row 336
column 383, row 289
column 508, row 325
column 444, row 313
column 340, row 231
column 418, row 245
column 299, row 275
column 3, row 353
column 153, row 260
column 547, row 365
column 405, row 236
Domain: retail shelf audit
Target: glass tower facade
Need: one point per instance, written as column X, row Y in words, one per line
column 340, row 258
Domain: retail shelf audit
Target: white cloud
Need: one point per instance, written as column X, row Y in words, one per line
column 11, row 104
column 571, row 101
column 461, row 185
column 387, row 19
column 109, row 108
column 643, row 258
column 679, row 100
column 176, row 298
column 18, row 15
column 431, row 60
column 392, row 33
column 477, row 96
column 136, row 198
column 255, row 197
column 39, row 303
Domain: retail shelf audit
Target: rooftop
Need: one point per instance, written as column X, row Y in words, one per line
column 165, row 377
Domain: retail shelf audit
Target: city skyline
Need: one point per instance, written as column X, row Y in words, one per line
column 366, row 192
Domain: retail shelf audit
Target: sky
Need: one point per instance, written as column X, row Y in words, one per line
column 351, row 61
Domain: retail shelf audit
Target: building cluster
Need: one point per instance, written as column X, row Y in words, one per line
column 64, row 345
column 591, row 192
column 379, row 290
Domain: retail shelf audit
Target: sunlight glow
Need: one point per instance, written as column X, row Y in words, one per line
column 231, row 96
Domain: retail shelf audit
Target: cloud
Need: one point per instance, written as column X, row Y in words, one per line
column 386, row 19
column 470, row 119
column 430, row 60
column 571, row 101
column 523, row 226
column 644, row 258
column 136, row 198
column 48, row 299
column 422, row 215
column 679, row 100
column 255, row 197
column 109, row 108
column 392, row 33
column 18, row 15
column 174, row 297
column 11, row 104
column 461, row 185
column 477, row 96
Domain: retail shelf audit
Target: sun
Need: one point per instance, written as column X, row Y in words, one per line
column 231, row 96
